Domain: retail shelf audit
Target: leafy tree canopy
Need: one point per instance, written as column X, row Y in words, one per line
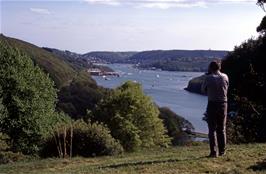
column 132, row 117
column 27, row 97
column 245, row 67
column 262, row 27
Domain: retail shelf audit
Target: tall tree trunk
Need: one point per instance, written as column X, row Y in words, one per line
column 64, row 141
column 71, row 139
column 59, row 144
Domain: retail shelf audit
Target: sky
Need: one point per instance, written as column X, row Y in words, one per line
column 131, row 25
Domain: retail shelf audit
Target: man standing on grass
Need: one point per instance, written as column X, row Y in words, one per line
column 216, row 86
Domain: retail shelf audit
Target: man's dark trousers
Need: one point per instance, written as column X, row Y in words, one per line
column 216, row 118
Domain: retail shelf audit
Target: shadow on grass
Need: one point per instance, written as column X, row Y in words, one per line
column 148, row 162
column 259, row 166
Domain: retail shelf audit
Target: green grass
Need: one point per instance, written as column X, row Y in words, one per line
column 248, row 158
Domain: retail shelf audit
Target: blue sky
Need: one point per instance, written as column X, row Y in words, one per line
column 131, row 25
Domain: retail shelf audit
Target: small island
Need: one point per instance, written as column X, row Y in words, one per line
column 194, row 85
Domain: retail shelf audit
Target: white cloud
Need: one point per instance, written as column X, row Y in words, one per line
column 165, row 4
column 40, row 11
column 105, row 2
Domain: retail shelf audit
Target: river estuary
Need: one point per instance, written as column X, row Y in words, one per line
column 166, row 88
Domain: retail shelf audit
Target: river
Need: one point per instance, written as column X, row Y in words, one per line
column 166, row 88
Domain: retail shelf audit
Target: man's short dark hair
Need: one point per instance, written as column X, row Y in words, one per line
column 214, row 66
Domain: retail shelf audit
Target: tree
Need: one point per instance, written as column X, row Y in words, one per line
column 245, row 67
column 132, row 117
column 3, row 112
column 261, row 4
column 27, row 98
column 262, row 27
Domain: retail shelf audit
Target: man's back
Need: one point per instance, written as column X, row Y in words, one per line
column 216, row 86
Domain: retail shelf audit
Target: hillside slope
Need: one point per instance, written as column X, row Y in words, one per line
column 159, row 55
column 78, row 91
column 249, row 158
column 177, row 60
column 170, row 60
column 60, row 71
column 76, row 60
column 70, row 57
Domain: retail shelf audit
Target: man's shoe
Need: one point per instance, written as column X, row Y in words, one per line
column 222, row 153
column 213, row 155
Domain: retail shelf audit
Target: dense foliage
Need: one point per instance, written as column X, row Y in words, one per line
column 4, row 142
column 262, row 27
column 132, row 117
column 82, row 139
column 27, row 99
column 245, row 67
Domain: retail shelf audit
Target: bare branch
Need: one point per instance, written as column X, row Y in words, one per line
column 261, row 4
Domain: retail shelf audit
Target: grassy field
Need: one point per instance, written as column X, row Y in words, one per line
column 250, row 158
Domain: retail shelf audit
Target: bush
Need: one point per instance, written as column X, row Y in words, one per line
column 7, row 157
column 88, row 139
column 4, row 142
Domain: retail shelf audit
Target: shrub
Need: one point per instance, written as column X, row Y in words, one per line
column 87, row 139
column 4, row 142
column 7, row 157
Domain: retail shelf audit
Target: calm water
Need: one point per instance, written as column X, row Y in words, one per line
column 166, row 88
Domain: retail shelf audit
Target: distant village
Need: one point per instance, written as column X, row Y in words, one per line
column 99, row 72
